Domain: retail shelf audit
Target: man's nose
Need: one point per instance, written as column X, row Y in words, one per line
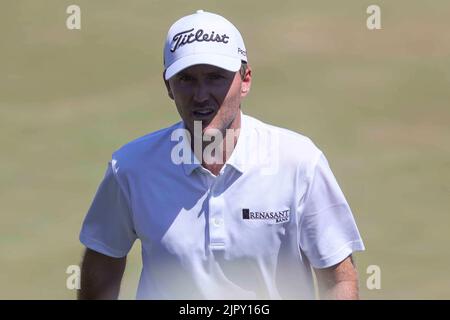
column 201, row 92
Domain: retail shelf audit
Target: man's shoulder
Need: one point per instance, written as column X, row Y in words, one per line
column 147, row 147
column 289, row 141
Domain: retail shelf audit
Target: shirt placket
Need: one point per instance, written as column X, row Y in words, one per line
column 216, row 215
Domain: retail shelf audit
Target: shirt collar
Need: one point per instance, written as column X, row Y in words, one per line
column 237, row 159
column 194, row 163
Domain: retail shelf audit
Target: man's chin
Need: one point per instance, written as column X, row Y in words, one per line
column 211, row 131
column 209, row 126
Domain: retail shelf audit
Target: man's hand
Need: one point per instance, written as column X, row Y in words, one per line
column 101, row 276
column 339, row 282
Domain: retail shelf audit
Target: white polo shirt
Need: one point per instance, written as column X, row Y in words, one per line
column 250, row 232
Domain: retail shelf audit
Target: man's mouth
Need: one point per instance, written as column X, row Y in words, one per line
column 204, row 112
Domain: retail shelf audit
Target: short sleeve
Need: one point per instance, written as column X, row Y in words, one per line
column 108, row 225
column 328, row 232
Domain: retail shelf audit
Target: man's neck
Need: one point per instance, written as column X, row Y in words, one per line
column 225, row 147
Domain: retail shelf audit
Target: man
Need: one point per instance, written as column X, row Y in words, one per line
column 225, row 206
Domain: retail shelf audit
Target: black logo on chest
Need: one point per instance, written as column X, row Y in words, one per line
column 275, row 216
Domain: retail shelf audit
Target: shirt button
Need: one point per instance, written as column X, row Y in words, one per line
column 217, row 222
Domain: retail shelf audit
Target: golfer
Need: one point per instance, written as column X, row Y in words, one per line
column 224, row 205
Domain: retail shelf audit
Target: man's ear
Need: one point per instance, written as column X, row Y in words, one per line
column 169, row 90
column 246, row 81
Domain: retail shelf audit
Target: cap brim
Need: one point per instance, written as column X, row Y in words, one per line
column 224, row 62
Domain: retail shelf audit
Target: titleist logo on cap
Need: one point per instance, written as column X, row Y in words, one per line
column 182, row 38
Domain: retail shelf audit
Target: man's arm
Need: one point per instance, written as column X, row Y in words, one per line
column 339, row 282
column 101, row 276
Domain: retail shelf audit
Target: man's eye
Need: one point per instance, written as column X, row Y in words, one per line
column 215, row 77
column 184, row 77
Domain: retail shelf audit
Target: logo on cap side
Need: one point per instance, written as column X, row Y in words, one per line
column 243, row 52
column 182, row 38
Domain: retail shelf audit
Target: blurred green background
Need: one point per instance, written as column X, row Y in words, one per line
column 376, row 102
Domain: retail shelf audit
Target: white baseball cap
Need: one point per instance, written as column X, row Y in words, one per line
column 203, row 38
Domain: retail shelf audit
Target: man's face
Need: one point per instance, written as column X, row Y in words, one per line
column 208, row 94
